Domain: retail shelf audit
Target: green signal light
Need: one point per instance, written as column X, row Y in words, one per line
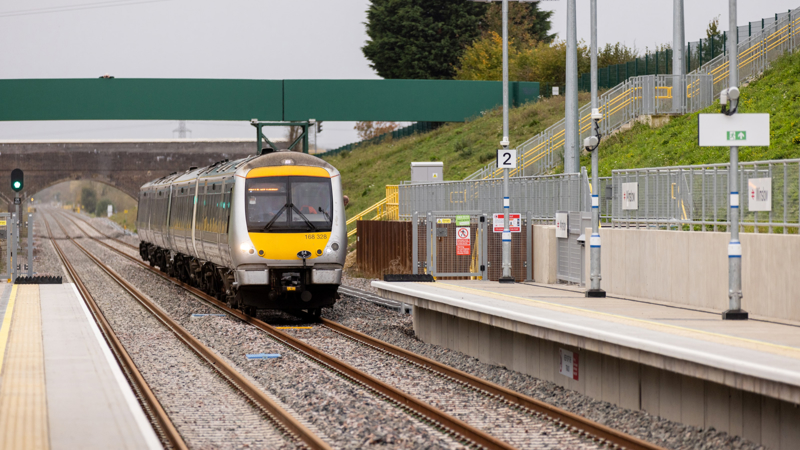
column 17, row 184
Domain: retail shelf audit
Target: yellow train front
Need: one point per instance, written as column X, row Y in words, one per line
column 264, row 232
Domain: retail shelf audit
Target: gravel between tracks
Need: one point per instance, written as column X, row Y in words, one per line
column 205, row 409
column 346, row 414
column 397, row 329
column 520, row 429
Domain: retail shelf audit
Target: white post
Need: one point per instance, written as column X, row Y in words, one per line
column 506, row 278
column 678, row 56
column 594, row 241
column 572, row 134
column 734, row 311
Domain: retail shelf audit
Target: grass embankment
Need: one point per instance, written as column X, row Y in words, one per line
column 777, row 92
column 462, row 147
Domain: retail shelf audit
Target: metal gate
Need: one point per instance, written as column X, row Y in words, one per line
column 571, row 249
column 452, row 244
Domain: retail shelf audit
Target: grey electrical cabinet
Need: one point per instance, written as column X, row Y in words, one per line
column 427, row 172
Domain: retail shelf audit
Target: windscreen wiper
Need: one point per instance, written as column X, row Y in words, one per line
column 308, row 222
column 323, row 212
column 272, row 221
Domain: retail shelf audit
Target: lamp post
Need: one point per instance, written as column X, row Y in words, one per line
column 734, row 311
column 591, row 145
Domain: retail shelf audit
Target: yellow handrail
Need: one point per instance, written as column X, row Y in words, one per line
column 388, row 208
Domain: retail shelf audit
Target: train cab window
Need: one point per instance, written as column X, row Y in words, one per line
column 288, row 204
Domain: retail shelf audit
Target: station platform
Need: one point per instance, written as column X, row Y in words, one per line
column 60, row 386
column 685, row 364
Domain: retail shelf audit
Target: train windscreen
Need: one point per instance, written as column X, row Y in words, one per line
column 288, row 204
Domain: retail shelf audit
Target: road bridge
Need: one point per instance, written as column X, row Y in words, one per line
column 124, row 164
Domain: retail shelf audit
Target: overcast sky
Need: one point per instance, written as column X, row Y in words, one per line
column 256, row 39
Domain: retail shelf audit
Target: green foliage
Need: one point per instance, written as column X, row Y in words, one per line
column 526, row 22
column 102, row 207
column 527, row 61
column 89, row 199
column 462, row 147
column 777, row 92
column 420, row 39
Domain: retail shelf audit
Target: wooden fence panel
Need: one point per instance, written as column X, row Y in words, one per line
column 383, row 247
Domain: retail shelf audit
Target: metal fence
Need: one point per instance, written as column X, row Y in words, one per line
column 660, row 94
column 542, row 195
column 696, row 197
column 643, row 95
column 677, row 197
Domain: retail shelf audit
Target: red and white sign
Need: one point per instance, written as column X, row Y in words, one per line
column 514, row 223
column 462, row 241
column 569, row 364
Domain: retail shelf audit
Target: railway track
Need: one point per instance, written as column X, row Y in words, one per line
column 560, row 418
column 279, row 417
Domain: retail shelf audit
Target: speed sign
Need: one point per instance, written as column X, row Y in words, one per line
column 506, row 159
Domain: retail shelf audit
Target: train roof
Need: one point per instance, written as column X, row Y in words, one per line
column 224, row 167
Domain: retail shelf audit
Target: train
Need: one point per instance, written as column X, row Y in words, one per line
column 263, row 232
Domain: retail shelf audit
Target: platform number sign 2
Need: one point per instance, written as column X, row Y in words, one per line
column 506, row 159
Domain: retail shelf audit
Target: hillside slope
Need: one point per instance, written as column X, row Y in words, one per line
column 776, row 92
column 463, row 147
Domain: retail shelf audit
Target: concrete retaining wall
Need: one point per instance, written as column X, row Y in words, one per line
column 545, row 259
column 691, row 268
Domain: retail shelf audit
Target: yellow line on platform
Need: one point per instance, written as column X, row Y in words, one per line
column 778, row 349
column 23, row 402
column 6, row 327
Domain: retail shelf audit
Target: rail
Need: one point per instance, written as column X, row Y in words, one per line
column 553, row 413
column 411, row 404
column 158, row 417
column 276, row 414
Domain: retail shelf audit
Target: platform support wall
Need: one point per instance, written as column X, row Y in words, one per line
column 637, row 386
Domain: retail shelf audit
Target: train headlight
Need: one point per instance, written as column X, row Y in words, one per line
column 335, row 246
column 248, row 248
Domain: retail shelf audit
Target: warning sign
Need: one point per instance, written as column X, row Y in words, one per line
column 462, row 241
column 569, row 364
column 514, row 223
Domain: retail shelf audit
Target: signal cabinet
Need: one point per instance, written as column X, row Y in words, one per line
column 427, row 172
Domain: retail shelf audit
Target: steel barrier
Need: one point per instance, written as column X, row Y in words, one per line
column 542, row 195
column 696, row 197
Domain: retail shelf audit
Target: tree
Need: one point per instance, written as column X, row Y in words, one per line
column 420, row 39
column 89, row 199
column 526, row 22
column 102, row 207
column 543, row 62
column 369, row 130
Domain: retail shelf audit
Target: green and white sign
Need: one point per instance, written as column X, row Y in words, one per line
column 741, row 130
column 737, row 135
column 462, row 221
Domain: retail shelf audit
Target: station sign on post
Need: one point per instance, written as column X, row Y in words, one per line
column 759, row 194
column 740, row 130
column 507, row 158
column 514, row 223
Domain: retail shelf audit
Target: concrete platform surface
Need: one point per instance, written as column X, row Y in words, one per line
column 760, row 349
column 60, row 386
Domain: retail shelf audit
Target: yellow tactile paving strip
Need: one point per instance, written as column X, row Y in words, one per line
column 719, row 338
column 23, row 402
